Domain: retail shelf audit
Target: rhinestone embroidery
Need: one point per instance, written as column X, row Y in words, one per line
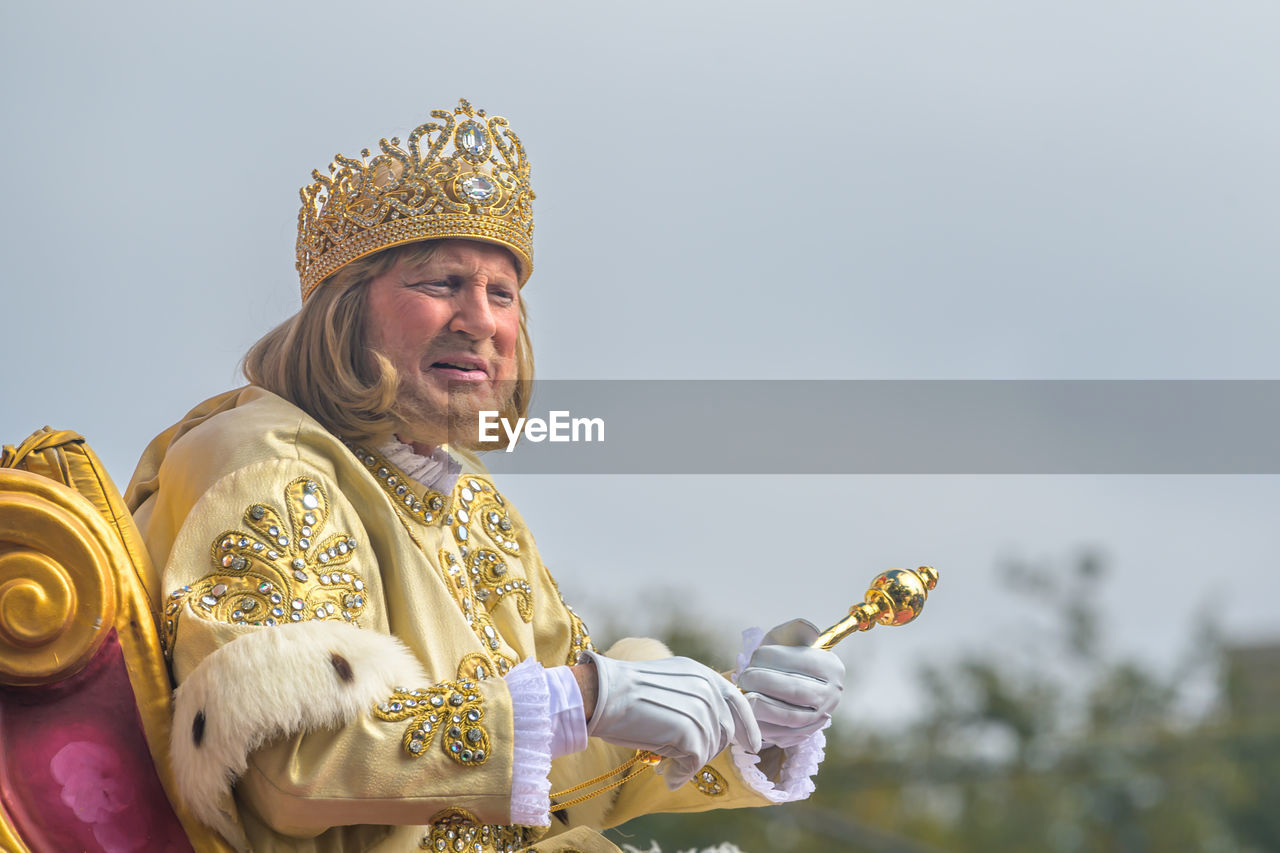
column 454, row 706
column 275, row 571
column 710, row 782
column 491, row 582
column 497, row 524
column 426, row 507
column 460, row 830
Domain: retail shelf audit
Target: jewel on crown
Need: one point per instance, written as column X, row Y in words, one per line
column 463, row 176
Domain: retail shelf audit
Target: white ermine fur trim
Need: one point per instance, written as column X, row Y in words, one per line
column 270, row 684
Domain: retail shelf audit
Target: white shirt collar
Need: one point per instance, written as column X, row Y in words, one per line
column 438, row 471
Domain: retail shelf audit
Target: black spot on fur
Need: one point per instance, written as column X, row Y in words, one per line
column 562, row 816
column 342, row 666
column 197, row 728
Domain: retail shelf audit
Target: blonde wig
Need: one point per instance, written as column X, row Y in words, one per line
column 320, row 359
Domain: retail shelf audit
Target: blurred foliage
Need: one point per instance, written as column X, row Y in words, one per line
column 1045, row 743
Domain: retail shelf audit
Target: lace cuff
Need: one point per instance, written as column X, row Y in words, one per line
column 531, row 762
column 799, row 763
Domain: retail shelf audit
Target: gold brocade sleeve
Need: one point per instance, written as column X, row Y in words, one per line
column 278, row 546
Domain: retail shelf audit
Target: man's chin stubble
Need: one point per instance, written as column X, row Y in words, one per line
column 457, row 427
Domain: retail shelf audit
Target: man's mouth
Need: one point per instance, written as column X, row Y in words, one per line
column 461, row 370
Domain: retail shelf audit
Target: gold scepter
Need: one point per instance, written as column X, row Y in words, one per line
column 895, row 597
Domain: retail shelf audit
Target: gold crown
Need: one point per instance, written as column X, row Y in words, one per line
column 479, row 190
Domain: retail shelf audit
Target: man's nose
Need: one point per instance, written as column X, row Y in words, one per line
column 473, row 315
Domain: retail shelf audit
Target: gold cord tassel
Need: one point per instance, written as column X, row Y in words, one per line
column 642, row 758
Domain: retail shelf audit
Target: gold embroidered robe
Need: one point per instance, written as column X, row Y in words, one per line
column 259, row 520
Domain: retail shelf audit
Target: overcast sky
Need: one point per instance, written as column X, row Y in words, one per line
column 844, row 190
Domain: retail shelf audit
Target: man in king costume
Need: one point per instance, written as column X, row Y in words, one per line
column 370, row 653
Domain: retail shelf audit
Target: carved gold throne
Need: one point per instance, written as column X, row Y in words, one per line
column 84, row 689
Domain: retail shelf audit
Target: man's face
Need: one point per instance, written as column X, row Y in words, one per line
column 450, row 327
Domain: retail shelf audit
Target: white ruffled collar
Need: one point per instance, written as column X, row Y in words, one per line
column 438, row 471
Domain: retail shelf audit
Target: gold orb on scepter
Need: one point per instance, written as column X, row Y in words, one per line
column 895, row 597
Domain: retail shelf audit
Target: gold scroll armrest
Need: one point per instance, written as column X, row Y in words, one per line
column 73, row 569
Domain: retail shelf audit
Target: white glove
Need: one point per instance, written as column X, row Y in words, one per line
column 675, row 707
column 792, row 688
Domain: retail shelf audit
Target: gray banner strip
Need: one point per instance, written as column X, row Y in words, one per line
column 900, row 427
